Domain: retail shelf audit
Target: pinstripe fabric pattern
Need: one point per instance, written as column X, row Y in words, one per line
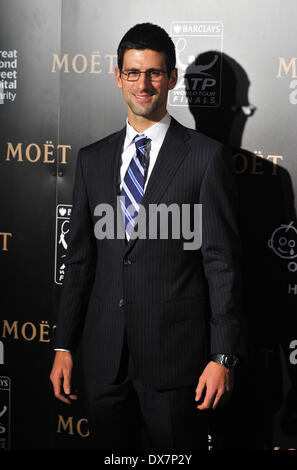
column 176, row 306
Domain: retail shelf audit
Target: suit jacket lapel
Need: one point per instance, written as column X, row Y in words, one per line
column 173, row 151
column 115, row 151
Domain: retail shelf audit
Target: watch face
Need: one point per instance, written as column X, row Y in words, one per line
column 231, row 361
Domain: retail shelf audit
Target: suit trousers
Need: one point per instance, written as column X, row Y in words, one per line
column 127, row 415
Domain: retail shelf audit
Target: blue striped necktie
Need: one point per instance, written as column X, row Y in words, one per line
column 133, row 184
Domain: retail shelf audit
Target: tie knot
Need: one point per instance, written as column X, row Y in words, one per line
column 141, row 142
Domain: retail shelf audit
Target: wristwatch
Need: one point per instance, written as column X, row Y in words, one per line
column 227, row 360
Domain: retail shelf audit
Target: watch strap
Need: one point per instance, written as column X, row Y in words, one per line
column 227, row 360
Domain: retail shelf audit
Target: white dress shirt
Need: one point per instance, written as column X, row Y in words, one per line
column 157, row 134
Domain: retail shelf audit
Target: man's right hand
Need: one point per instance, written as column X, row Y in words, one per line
column 61, row 376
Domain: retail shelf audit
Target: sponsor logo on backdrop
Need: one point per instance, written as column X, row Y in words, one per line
column 253, row 164
column 5, row 395
column 41, row 332
column 93, row 63
column 72, row 426
column 210, row 442
column 287, row 68
column 199, row 82
column 63, row 213
column 33, row 152
column 4, row 238
column 283, row 242
column 8, row 75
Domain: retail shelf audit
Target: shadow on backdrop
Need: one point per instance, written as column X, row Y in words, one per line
column 268, row 229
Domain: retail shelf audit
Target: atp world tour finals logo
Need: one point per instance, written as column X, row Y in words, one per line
column 198, row 47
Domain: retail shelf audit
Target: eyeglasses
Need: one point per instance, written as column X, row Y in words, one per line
column 152, row 75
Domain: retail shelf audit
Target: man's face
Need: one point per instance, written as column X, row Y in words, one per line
column 144, row 97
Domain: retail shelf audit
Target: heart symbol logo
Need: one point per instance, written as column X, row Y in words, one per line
column 62, row 211
column 177, row 28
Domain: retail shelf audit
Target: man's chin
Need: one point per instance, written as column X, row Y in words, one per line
column 143, row 111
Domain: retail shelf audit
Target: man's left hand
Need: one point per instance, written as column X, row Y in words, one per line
column 217, row 382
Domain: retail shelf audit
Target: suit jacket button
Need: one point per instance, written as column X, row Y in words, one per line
column 121, row 303
column 127, row 262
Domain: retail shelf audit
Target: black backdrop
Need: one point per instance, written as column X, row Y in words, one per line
column 57, row 94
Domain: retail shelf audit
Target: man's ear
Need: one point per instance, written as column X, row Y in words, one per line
column 172, row 79
column 118, row 79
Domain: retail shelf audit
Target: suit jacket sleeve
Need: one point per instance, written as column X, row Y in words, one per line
column 221, row 253
column 80, row 267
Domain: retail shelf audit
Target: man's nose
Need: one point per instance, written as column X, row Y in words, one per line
column 143, row 81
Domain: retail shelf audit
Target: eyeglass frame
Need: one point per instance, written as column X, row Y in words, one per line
column 139, row 72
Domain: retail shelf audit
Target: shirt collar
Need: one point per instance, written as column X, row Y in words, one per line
column 156, row 132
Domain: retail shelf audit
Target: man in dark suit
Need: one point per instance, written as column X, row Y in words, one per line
column 161, row 323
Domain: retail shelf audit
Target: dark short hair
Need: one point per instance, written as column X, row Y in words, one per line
column 148, row 36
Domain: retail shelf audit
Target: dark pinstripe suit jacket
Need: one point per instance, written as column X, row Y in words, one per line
column 177, row 306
